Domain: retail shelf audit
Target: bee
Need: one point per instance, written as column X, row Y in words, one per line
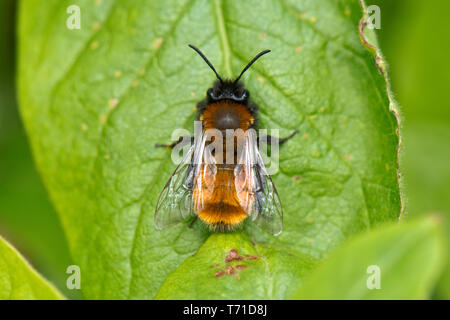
column 223, row 195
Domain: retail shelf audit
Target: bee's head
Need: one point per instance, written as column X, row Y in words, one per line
column 227, row 89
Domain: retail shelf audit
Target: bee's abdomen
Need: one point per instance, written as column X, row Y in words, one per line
column 222, row 216
column 220, row 208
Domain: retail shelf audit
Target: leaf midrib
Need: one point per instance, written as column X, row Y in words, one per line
column 220, row 22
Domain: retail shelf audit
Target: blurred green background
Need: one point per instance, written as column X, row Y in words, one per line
column 27, row 218
column 413, row 38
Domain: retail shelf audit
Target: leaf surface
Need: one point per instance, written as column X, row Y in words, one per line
column 96, row 100
column 400, row 261
column 19, row 281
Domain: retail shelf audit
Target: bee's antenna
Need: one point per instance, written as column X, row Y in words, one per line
column 207, row 61
column 251, row 62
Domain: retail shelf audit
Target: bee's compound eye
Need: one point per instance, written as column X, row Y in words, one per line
column 237, row 94
column 240, row 95
column 212, row 94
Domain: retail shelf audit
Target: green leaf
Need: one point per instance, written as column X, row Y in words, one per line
column 420, row 77
column 95, row 101
column 19, row 281
column 409, row 256
column 24, row 204
column 259, row 271
column 428, row 178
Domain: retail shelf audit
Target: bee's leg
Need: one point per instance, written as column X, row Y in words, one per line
column 273, row 140
column 173, row 144
column 192, row 222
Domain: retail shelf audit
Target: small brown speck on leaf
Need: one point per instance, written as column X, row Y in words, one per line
column 135, row 83
column 157, row 43
column 229, row 270
column 94, row 45
column 96, row 26
column 232, row 255
column 112, row 103
column 250, row 257
column 219, row 273
column 241, row 267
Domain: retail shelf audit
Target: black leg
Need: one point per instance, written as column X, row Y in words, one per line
column 172, row 144
column 273, row 140
column 192, row 222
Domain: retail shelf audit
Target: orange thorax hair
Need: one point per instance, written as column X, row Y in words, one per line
column 218, row 114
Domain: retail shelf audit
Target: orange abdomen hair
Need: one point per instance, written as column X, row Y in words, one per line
column 216, row 200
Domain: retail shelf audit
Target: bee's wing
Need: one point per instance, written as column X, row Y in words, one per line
column 175, row 201
column 268, row 212
column 256, row 191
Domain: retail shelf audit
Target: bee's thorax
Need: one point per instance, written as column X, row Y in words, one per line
column 226, row 114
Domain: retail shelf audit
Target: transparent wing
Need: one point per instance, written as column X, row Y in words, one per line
column 205, row 176
column 268, row 205
column 255, row 189
column 175, row 201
